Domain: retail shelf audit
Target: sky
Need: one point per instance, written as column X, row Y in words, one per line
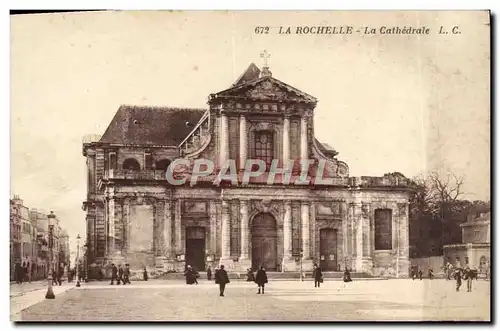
column 407, row 103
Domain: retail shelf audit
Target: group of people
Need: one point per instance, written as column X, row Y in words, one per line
column 121, row 275
column 416, row 272
column 467, row 274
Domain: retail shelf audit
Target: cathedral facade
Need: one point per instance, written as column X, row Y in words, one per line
column 136, row 215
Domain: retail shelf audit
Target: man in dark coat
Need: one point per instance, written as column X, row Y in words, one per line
column 431, row 273
column 190, row 275
column 261, row 279
column 347, row 276
column 317, row 275
column 209, row 273
column 145, row 274
column 120, row 275
column 458, row 278
column 222, row 279
column 250, row 277
column 468, row 276
column 114, row 274
column 419, row 273
column 60, row 274
column 126, row 274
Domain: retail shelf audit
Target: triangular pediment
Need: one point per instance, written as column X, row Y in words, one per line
column 265, row 89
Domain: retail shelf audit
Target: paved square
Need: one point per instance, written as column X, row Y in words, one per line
column 283, row 301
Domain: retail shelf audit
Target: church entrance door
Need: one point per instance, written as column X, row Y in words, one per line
column 328, row 249
column 264, row 242
column 195, row 247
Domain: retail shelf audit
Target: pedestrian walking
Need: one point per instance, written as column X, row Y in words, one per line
column 458, row 278
column 317, row 275
column 25, row 272
column 250, row 276
column 222, row 279
column 347, row 276
column 60, row 274
column 261, row 279
column 431, row 273
column 18, row 273
column 114, row 274
column 420, row 273
column 209, row 273
column 145, row 274
column 190, row 275
column 468, row 276
column 126, row 274
column 216, row 270
column 120, row 275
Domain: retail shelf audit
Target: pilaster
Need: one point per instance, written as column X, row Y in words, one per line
column 244, row 259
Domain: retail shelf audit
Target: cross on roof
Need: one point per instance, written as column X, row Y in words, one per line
column 265, row 55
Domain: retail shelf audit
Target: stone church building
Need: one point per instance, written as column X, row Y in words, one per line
column 135, row 215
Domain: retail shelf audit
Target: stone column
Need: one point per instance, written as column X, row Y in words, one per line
column 126, row 226
column 358, row 236
column 178, row 227
column 286, row 139
column 244, row 259
column 213, row 227
column 167, row 236
column 303, row 138
column 403, row 254
column 226, row 235
column 364, row 262
column 224, row 139
column 243, row 141
column 111, row 222
column 306, row 246
column 288, row 261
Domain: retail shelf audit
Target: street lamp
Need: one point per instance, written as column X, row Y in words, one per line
column 78, row 260
column 50, row 292
column 301, row 270
column 85, row 268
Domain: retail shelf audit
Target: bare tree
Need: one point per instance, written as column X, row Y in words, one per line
column 445, row 189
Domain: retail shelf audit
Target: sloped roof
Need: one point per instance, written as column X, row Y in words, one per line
column 146, row 125
column 252, row 73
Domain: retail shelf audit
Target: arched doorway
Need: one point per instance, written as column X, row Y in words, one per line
column 131, row 164
column 264, row 242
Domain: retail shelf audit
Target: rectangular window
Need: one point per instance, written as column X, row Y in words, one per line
column 383, row 229
column 148, row 161
column 112, row 161
column 263, row 147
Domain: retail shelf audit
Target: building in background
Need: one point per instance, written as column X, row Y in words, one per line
column 15, row 235
column 29, row 241
column 475, row 249
column 64, row 253
column 42, row 245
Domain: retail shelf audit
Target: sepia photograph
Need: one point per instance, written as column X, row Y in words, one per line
column 250, row 166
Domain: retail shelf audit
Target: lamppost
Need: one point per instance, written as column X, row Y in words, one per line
column 50, row 292
column 301, row 270
column 85, row 267
column 78, row 260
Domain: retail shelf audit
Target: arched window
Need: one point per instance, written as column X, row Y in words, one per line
column 162, row 164
column 131, row 164
column 264, row 147
column 383, row 229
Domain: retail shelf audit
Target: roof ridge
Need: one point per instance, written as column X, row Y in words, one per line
column 160, row 107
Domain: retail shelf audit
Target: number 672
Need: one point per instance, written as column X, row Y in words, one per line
column 262, row 30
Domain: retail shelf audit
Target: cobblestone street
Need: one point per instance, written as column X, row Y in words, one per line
column 283, row 301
